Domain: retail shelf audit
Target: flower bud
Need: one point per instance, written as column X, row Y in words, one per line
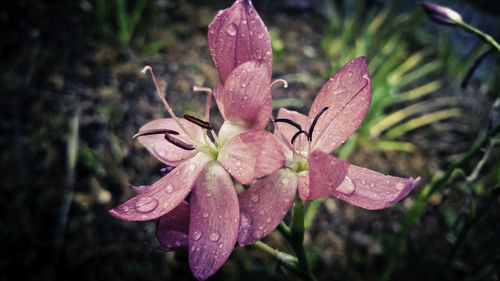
column 441, row 14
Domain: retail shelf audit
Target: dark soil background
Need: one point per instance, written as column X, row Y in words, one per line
column 68, row 64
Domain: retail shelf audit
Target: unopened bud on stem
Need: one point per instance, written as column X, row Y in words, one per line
column 441, row 14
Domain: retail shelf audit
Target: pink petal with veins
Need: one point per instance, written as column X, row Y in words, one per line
column 347, row 95
column 251, row 155
column 264, row 205
column 214, row 221
column 326, row 173
column 238, row 35
column 245, row 98
column 287, row 130
column 165, row 194
column 372, row 190
column 303, row 185
column 164, row 150
column 173, row 227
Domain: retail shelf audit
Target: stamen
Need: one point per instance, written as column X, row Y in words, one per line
column 209, row 98
column 165, row 103
column 285, row 84
column 311, row 129
column 198, row 122
column 288, row 121
column 179, row 143
column 298, row 134
column 277, row 129
column 154, row 132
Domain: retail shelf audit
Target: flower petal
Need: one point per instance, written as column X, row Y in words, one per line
column 264, row 205
column 173, row 227
column 251, row 155
column 347, row 95
column 165, row 194
column 164, row 150
column 238, row 35
column 286, row 131
column 214, row 221
column 303, row 185
column 372, row 190
column 245, row 98
column 326, row 172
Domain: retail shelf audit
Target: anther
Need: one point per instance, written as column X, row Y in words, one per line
column 179, row 143
column 285, row 84
column 198, row 122
column 298, row 134
column 154, row 132
column 311, row 129
column 288, row 121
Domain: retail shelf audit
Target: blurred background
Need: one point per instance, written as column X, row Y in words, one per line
column 72, row 95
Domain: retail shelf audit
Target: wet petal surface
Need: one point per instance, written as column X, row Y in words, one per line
column 238, row 35
column 347, row 95
column 251, row 155
column 245, row 98
column 214, row 221
column 372, row 190
column 326, row 173
column 264, row 205
column 165, row 194
column 173, row 227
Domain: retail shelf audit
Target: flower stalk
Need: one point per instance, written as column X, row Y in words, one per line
column 297, row 238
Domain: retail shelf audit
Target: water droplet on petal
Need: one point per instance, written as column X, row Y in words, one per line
column 205, row 214
column 244, row 21
column 220, row 246
column 346, row 187
column 208, row 193
column 178, row 243
column 215, row 236
column 255, row 198
column 231, row 29
column 400, row 185
column 268, row 220
column 260, row 35
column 146, row 204
column 261, row 212
column 238, row 163
column 197, row 235
column 125, row 209
column 169, row 188
column 285, row 181
column 372, row 185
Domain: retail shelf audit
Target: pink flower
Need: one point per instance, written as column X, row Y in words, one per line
column 209, row 223
column 335, row 114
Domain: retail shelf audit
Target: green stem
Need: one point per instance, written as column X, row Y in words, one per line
column 485, row 37
column 297, row 238
column 287, row 260
column 418, row 207
column 284, row 230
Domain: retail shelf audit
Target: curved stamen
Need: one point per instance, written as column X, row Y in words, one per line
column 285, row 84
column 179, row 143
column 198, row 122
column 154, row 132
column 311, row 129
column 298, row 134
column 209, row 97
column 165, row 103
column 288, row 121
